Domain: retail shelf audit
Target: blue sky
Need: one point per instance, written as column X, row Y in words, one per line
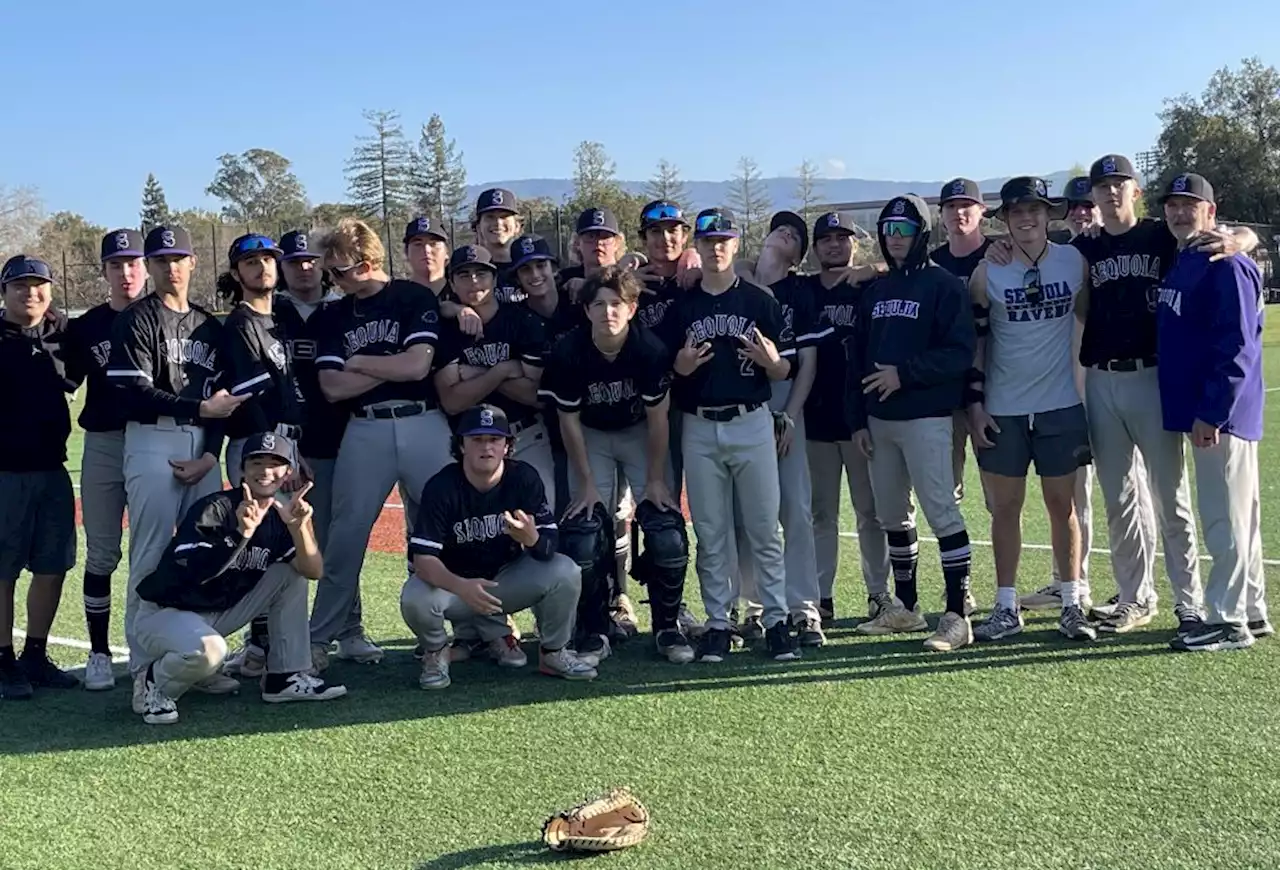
column 975, row 88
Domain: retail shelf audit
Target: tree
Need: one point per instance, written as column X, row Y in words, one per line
column 750, row 203
column 380, row 170
column 259, row 190
column 20, row 215
column 439, row 178
column 155, row 209
column 1231, row 136
column 808, row 188
column 667, row 184
column 594, row 186
column 327, row 214
column 71, row 245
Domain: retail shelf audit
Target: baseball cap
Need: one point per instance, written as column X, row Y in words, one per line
column 22, row 266
column 121, row 243
column 163, row 241
column 295, row 246
column 661, row 211
column 1190, row 185
column 528, row 248
column 901, row 208
column 713, row 223
column 597, row 220
column 831, row 223
column 1111, row 166
column 960, row 189
column 484, row 420
column 471, row 255
column 1028, row 188
column 793, row 220
column 425, row 226
column 1077, row 190
column 250, row 244
column 267, row 444
column 497, row 199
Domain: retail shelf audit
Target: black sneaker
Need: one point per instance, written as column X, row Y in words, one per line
column 1189, row 622
column 780, row 643
column 42, row 672
column 827, row 609
column 1212, row 637
column 752, row 629
column 808, row 631
column 713, row 647
column 14, row 685
column 1260, row 628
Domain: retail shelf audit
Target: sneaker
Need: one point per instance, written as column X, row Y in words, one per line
column 1106, row 610
column 687, row 622
column 506, row 652
column 319, row 658
column 1128, row 615
column 674, row 645
column 808, row 631
column 217, row 684
column 1189, row 621
column 98, row 675
column 14, row 684
column 1002, row 622
column 876, row 604
column 780, row 643
column 1213, row 637
column 593, row 649
column 1261, row 628
column 752, row 629
column 360, row 649
column 564, row 664
column 970, row 603
column 465, row 648
column 623, row 614
column 1073, row 624
column 713, row 647
column 894, row 619
column 250, row 662
column 435, row 669
column 304, row 687
column 736, row 640
column 1045, row 598
column 43, row 673
column 827, row 609
column 139, row 693
column 953, row 632
column 157, row 707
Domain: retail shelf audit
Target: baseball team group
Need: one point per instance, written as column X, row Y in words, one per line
column 543, row 424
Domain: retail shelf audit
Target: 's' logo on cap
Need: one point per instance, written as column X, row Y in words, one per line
column 486, row 417
column 167, row 239
column 269, row 441
column 957, row 188
column 424, row 224
column 1041, row 188
column 471, row 255
column 597, row 218
column 833, row 220
column 526, row 246
column 495, row 198
column 122, row 241
column 899, row 207
column 1180, row 184
column 300, row 242
column 1108, row 165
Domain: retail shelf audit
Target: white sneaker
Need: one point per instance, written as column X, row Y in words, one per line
column 506, row 652
column 563, row 663
column 98, row 675
column 157, row 707
column 894, row 619
column 304, row 687
column 596, row 650
column 217, row 684
column 250, row 662
column 360, row 649
column 435, row 669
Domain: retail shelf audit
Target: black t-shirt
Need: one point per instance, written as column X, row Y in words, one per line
column 607, row 394
column 1124, row 279
column 258, row 366
column 396, row 318
column 720, row 319
column 33, row 394
column 323, row 422
column 88, row 352
column 513, row 333
column 961, row 267
column 837, row 312
column 800, row 328
column 209, row 566
column 463, row 527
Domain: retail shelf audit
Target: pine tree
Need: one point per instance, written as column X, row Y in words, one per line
column 750, row 203
column 595, row 186
column 667, row 184
column 380, row 170
column 155, row 208
column 808, row 189
column 439, row 185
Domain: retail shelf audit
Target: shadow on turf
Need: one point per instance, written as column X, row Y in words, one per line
column 60, row 721
column 513, row 853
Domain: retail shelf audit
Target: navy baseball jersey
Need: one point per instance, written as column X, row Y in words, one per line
column 258, row 366
column 800, row 327
column 323, row 422
column 837, row 312
column 88, row 346
column 566, row 317
column 961, row 267
column 396, row 318
column 658, row 297
column 33, row 389
column 209, row 566
column 513, row 333
column 608, row 394
column 463, row 527
column 506, row 288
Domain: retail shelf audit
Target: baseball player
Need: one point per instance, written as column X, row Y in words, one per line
column 912, row 343
column 1024, row 404
column 497, row 222
column 829, row 440
column 609, row 382
column 484, row 546
column 376, row 350
column 237, row 553
column 599, row 242
column 102, row 492
column 727, row 331
column 167, row 359
column 37, row 525
column 1210, row 320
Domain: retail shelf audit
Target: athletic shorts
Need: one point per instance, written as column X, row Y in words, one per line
column 1056, row 441
column 37, row 523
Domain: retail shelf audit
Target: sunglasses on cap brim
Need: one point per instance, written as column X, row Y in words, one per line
column 254, row 244
column 661, row 213
column 904, row 227
column 714, row 223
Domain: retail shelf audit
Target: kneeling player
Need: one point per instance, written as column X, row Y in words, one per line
column 237, row 554
column 485, row 546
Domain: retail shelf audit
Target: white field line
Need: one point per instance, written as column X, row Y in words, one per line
column 1272, row 389
column 119, row 654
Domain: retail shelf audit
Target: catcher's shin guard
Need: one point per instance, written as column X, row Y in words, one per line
column 587, row 539
column 662, row 564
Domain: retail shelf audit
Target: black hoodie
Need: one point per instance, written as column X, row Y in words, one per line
column 916, row 317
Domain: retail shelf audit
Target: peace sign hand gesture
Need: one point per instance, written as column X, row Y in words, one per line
column 299, row 510
column 758, row 348
column 521, row 527
column 692, row 356
column 250, row 513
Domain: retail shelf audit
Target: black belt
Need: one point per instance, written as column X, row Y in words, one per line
column 395, row 412
column 1126, row 365
column 724, row 415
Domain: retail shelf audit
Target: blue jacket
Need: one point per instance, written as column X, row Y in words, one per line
column 1210, row 345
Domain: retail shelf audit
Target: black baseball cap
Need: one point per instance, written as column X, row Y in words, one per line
column 793, row 220
column 597, row 220
column 22, row 266
column 484, row 420
column 425, row 226
column 268, row 444
column 715, row 223
column 124, row 243
column 471, row 255
column 1078, row 190
column 497, row 199
column 1111, row 166
column 661, row 211
column 250, row 244
column 960, row 189
column 165, row 241
column 528, row 248
column 833, row 223
column 1028, row 188
column 296, row 246
column 1190, row 185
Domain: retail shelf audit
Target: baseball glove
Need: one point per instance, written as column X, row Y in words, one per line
column 611, row 821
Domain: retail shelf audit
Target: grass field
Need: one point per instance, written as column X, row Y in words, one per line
column 1034, row 753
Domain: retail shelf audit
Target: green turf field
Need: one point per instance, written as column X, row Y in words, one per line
column 1034, row 753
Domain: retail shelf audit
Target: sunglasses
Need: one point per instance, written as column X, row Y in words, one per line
column 712, row 223
column 662, row 213
column 900, row 227
column 1031, row 284
column 337, row 272
column 254, row 243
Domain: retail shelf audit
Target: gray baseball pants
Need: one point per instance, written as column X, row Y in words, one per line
column 1228, row 500
column 826, row 460
column 914, row 455
column 102, row 501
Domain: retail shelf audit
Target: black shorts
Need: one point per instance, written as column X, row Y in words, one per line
column 1057, row 441
column 37, row 523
